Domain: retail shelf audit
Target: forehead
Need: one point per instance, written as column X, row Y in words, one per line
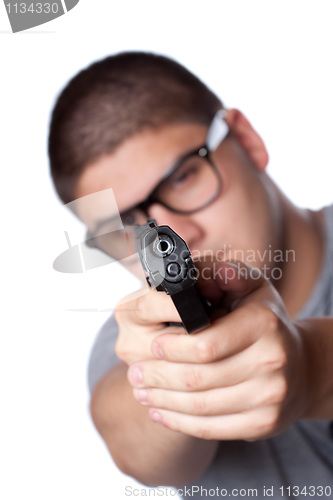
column 136, row 167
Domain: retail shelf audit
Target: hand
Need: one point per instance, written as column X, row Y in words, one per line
column 244, row 377
column 141, row 317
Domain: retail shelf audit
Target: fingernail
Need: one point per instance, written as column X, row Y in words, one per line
column 156, row 417
column 157, row 350
column 141, row 395
column 135, row 375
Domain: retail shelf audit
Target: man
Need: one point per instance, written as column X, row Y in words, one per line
column 246, row 402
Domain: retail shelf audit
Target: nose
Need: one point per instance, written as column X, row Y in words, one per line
column 184, row 225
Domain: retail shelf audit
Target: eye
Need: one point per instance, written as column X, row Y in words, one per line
column 132, row 218
column 185, row 174
column 128, row 219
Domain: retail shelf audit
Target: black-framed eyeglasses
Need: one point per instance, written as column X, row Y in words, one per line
column 191, row 185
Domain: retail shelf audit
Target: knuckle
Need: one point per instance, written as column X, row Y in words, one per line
column 205, row 350
column 122, row 349
column 279, row 392
column 156, row 378
column 119, row 312
column 119, row 348
column 137, row 308
column 192, row 379
column 254, row 309
column 265, row 317
column 141, row 307
column 268, row 319
column 276, row 358
column 268, row 422
column 274, row 394
column 280, row 357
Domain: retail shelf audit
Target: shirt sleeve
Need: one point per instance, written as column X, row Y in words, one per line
column 103, row 356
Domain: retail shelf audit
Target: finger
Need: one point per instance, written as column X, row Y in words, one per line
column 220, row 401
column 250, row 425
column 152, row 308
column 227, row 336
column 192, row 376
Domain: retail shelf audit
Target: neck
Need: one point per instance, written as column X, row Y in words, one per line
column 303, row 238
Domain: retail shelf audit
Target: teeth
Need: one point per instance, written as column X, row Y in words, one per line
column 28, row 14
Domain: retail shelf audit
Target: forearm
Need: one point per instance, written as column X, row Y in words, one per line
column 142, row 449
column 317, row 334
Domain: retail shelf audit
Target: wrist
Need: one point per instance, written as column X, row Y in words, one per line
column 317, row 342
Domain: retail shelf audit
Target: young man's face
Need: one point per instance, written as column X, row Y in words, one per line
column 241, row 223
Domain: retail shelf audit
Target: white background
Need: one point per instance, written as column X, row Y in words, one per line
column 273, row 60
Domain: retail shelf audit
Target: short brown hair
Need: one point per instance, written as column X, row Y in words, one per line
column 112, row 100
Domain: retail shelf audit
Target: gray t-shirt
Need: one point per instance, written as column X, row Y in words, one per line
column 301, row 457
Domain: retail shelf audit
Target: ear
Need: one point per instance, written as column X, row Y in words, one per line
column 247, row 137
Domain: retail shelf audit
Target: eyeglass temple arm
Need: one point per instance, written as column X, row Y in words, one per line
column 218, row 130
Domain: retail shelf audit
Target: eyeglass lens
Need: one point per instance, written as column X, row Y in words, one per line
column 190, row 187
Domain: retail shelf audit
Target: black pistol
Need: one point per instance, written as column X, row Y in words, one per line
column 167, row 262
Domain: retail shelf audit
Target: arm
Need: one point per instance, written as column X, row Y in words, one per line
column 250, row 375
column 150, row 453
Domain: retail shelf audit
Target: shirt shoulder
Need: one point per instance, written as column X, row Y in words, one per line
column 103, row 356
column 320, row 302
